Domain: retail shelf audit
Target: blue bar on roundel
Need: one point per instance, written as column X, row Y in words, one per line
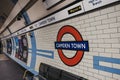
column 72, row 45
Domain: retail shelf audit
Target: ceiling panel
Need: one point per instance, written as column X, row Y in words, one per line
column 5, row 9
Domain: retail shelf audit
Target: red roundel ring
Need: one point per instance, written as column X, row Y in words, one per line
column 79, row 54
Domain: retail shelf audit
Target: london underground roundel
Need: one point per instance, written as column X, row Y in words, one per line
column 78, row 45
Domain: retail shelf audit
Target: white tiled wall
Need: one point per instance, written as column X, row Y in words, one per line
column 6, row 32
column 101, row 28
column 17, row 25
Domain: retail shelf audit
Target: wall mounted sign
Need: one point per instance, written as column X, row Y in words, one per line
column 25, row 48
column 72, row 45
column 21, row 48
column 79, row 45
column 9, row 46
column 73, row 10
column 93, row 4
column 17, row 47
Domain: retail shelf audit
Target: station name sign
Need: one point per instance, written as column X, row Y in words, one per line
column 72, row 45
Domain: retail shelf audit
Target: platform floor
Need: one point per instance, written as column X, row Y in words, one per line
column 10, row 70
column 3, row 57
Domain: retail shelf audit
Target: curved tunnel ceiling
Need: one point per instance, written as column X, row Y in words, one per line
column 5, row 8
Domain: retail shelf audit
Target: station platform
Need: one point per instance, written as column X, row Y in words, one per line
column 9, row 69
column 60, row 39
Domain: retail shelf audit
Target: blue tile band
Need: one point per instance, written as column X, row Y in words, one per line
column 50, row 54
column 33, row 41
column 33, row 58
column 96, row 65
